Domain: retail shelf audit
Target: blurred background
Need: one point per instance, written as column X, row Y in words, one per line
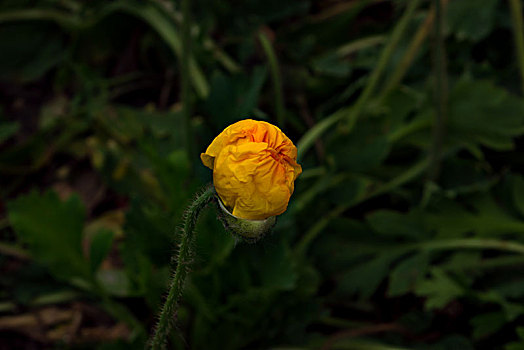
column 406, row 228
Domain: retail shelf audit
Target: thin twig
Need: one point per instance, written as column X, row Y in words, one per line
column 405, row 177
column 310, row 122
column 470, row 243
column 352, row 113
column 185, row 79
column 412, row 50
column 166, row 89
column 384, row 58
column 441, row 94
column 14, row 251
column 276, row 77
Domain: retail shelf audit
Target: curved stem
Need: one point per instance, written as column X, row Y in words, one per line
column 352, row 113
column 276, row 77
column 381, row 65
column 471, row 243
column 166, row 319
column 315, row 230
column 411, row 52
column 185, row 79
column 441, row 95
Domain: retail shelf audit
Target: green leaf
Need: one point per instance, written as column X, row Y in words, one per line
column 165, row 27
column 513, row 289
column 29, row 50
column 439, row 289
column 392, row 223
column 406, row 274
column 335, row 251
column 101, row 243
column 161, row 124
column 346, row 190
column 485, row 218
column 520, row 332
column 518, row 193
column 123, row 124
column 459, row 260
column 8, row 129
column 115, row 282
column 234, row 97
column 460, row 176
column 511, row 310
column 517, row 345
column 471, row 27
column 398, row 104
column 213, row 245
column 52, row 229
column 481, row 113
column 278, row 270
column 148, row 234
column 487, row 324
column 452, row 342
column 364, row 150
column 365, row 278
column 331, row 64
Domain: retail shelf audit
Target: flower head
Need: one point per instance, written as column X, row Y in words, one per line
column 254, row 169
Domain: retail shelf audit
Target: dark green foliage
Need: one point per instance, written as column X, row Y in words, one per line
column 43, row 48
column 397, row 236
column 52, row 229
column 232, row 98
column 101, row 243
column 467, row 27
column 483, row 114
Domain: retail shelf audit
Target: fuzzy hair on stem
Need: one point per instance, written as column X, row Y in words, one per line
column 167, row 315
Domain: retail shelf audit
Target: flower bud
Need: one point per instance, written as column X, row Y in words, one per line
column 246, row 229
column 254, row 169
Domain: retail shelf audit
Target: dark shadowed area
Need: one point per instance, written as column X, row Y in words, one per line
column 406, row 227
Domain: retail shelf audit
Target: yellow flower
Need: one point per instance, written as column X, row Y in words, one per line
column 254, row 169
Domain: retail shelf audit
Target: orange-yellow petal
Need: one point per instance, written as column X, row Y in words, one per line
column 254, row 168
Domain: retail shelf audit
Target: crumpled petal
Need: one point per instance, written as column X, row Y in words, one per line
column 254, row 168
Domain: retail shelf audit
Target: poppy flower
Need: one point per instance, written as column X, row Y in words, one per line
column 254, row 169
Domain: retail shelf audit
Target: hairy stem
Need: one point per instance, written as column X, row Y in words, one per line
column 167, row 315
